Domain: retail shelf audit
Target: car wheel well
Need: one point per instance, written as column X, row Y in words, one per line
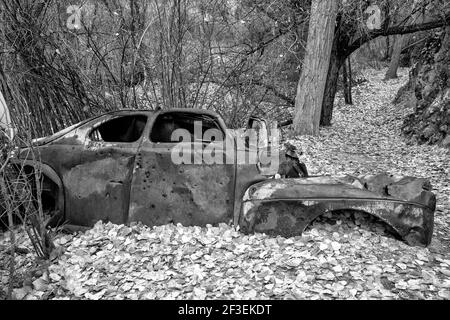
column 292, row 218
column 352, row 215
column 52, row 198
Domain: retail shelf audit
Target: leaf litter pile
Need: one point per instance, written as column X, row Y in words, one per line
column 341, row 256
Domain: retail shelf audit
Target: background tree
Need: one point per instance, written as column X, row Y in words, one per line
column 352, row 32
column 395, row 58
column 347, row 80
column 311, row 86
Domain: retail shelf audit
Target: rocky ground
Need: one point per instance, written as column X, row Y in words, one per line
column 339, row 257
column 428, row 92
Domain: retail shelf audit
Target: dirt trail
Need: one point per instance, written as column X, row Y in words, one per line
column 366, row 138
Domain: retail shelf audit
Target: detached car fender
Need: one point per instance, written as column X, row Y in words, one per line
column 287, row 206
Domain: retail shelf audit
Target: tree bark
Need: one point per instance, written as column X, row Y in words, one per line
column 388, row 51
column 313, row 78
column 347, row 81
column 331, row 88
column 393, row 65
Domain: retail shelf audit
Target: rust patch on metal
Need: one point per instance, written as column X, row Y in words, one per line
column 163, row 192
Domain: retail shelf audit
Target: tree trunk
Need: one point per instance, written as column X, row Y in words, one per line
column 350, row 79
column 313, row 79
column 396, row 53
column 336, row 62
column 388, row 49
column 347, row 80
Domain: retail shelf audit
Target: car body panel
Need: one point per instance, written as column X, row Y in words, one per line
column 98, row 188
column 166, row 192
column 190, row 194
column 287, row 206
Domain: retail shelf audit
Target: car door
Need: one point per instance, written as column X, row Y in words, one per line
column 99, row 187
column 194, row 191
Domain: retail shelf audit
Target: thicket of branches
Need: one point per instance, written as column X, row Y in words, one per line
column 21, row 205
column 236, row 57
column 227, row 56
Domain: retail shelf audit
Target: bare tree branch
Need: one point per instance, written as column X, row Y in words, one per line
column 398, row 29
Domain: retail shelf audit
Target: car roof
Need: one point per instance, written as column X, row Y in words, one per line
column 148, row 112
column 125, row 111
column 187, row 110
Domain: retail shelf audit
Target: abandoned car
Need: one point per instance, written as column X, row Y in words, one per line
column 119, row 167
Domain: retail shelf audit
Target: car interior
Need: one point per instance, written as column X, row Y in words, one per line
column 123, row 129
column 167, row 123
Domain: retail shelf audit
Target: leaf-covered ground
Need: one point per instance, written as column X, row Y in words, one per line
column 338, row 257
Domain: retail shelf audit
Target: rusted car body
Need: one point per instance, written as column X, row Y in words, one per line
column 117, row 167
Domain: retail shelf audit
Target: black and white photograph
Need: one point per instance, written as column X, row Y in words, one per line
column 225, row 155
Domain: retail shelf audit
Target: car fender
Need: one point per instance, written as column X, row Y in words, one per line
column 47, row 171
column 287, row 206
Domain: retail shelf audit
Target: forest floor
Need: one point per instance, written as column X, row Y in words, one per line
column 339, row 257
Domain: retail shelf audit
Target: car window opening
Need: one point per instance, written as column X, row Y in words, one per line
column 167, row 123
column 122, row 129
